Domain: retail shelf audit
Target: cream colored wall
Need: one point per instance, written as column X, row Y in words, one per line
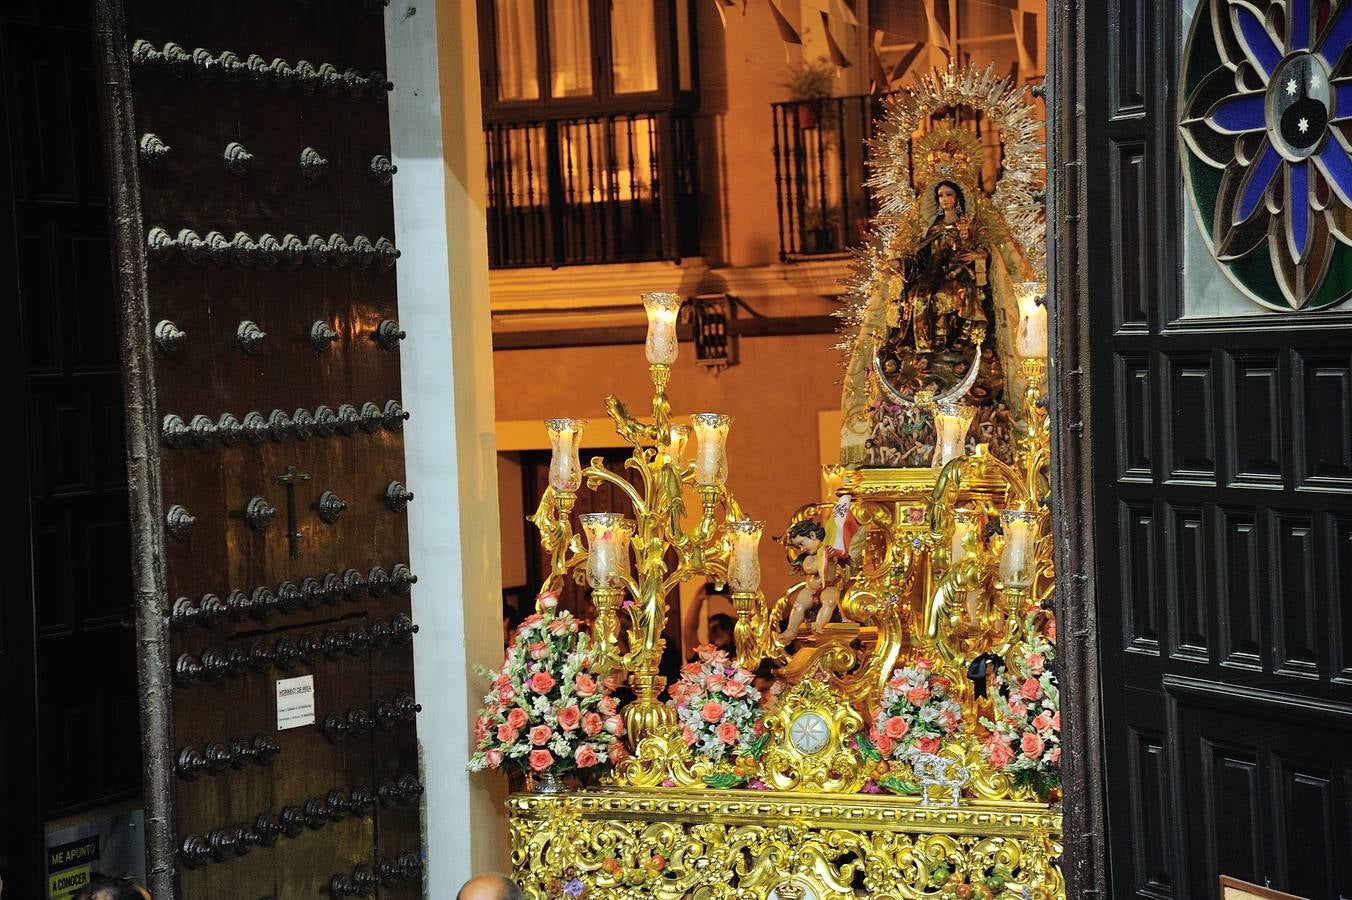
column 776, row 396
column 510, row 506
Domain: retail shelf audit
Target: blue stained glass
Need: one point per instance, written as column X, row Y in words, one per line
column 1258, row 44
column 1333, row 160
column 1260, row 176
column 1337, row 35
column 1299, row 13
column 1342, row 100
column 1239, row 113
column 1298, row 205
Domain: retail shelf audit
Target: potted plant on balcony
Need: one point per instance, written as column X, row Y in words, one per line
column 809, row 83
column 819, row 230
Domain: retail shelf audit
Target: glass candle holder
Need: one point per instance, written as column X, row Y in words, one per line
column 744, row 572
column 952, row 420
column 674, row 448
column 965, row 524
column 565, row 468
column 662, row 308
column 711, row 456
column 1016, row 559
column 608, row 536
column 1030, row 338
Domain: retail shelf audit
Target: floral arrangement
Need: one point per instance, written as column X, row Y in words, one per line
column 548, row 711
column 717, row 708
column 916, row 713
column 1024, row 739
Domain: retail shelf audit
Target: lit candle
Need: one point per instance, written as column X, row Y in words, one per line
column 711, row 458
column 1016, row 559
column 662, row 309
column 565, row 469
column 952, row 420
column 833, row 476
column 744, row 572
column 608, row 537
column 1031, row 338
column 674, row 448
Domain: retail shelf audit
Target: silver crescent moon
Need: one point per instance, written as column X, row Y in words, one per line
column 958, row 390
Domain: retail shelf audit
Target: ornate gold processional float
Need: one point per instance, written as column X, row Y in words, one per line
column 890, row 726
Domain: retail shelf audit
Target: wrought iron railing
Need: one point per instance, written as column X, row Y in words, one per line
column 820, row 151
column 596, row 189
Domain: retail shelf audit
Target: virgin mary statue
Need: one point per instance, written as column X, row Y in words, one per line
column 936, row 310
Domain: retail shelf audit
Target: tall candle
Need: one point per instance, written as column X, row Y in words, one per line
column 662, row 309
column 608, row 536
column 1016, row 569
column 744, row 572
column 952, row 420
column 1030, row 339
column 565, row 468
column 711, row 458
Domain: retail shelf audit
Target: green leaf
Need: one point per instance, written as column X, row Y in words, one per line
column 757, row 746
column 724, row 780
column 867, row 748
column 897, row 786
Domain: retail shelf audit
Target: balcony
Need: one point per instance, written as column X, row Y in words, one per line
column 820, row 149
column 595, row 189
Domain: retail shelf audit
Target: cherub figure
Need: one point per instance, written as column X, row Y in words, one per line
column 821, row 564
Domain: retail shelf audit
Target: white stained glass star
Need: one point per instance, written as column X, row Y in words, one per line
column 1303, row 125
column 1315, row 81
column 1292, row 87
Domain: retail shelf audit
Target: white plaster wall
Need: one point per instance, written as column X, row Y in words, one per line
column 449, row 444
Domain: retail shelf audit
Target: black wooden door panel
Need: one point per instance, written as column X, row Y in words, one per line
column 265, row 226
column 1222, row 450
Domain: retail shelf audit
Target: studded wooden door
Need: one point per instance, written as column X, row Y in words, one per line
column 249, row 148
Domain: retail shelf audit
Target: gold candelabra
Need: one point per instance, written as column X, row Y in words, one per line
column 664, row 547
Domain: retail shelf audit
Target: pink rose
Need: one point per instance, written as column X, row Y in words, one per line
column 1000, row 753
column 727, row 733
column 1042, row 722
column 898, row 684
column 896, row 728
column 617, row 752
column 585, row 684
column 507, row 734
column 1036, row 663
column 541, row 760
column 1051, row 630
column 712, row 712
column 1017, row 708
column 928, row 744
column 517, row 718
column 570, row 717
column 493, row 758
column 540, row 735
column 923, row 665
column 558, row 627
column 1032, row 745
column 538, row 650
column 886, row 745
column 591, row 724
column 607, row 705
column 614, row 725
column 480, row 729
column 1030, row 689
column 688, row 736
column 691, row 670
column 506, row 695
column 918, row 695
column 585, row 757
column 715, row 681
column 939, row 686
column 542, row 682
column 734, row 688
column 1055, row 756
column 1056, row 721
column 502, row 680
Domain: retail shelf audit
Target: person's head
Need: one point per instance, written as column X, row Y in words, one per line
column 490, row 886
column 807, row 535
column 950, row 197
column 721, row 627
column 121, row 887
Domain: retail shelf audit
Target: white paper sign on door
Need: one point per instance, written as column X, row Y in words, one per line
column 295, row 702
